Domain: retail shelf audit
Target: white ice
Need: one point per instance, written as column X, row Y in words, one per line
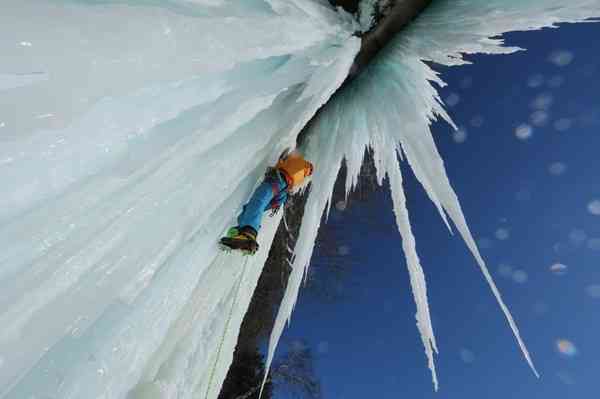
column 111, row 283
column 134, row 130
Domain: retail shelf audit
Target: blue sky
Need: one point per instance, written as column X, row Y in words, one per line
column 527, row 175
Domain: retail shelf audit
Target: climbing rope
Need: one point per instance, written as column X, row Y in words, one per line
column 226, row 328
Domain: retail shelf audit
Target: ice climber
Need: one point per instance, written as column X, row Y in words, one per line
column 279, row 182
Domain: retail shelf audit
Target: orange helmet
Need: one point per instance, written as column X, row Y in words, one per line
column 295, row 168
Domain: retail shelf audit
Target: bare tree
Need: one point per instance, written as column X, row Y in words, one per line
column 293, row 373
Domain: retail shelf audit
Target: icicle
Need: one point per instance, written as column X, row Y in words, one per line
column 417, row 277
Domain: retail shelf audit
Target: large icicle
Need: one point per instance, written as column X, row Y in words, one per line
column 417, row 277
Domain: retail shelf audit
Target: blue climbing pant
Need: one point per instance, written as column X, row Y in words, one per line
column 265, row 195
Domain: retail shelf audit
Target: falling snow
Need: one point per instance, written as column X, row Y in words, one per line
column 542, row 101
column 535, row 81
column 539, row 118
column 502, row 234
column 557, row 168
column 559, row 269
column 561, row 58
column 452, row 100
column 460, row 135
column 524, row 132
column 505, row 270
column 563, row 124
column 466, row 355
column 594, row 243
column 566, row 347
column 594, row 207
column 520, row 276
column 593, row 291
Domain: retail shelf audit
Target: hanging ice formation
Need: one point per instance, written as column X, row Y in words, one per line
column 132, row 131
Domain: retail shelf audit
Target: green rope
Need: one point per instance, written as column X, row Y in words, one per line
column 237, row 292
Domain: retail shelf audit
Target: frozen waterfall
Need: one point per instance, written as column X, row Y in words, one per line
column 132, row 131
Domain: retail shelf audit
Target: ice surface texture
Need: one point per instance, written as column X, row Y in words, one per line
column 111, row 283
column 133, row 131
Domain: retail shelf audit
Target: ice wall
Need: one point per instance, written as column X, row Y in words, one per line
column 131, row 133
column 389, row 108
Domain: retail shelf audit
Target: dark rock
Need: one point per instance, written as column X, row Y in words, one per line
column 349, row 5
column 396, row 19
